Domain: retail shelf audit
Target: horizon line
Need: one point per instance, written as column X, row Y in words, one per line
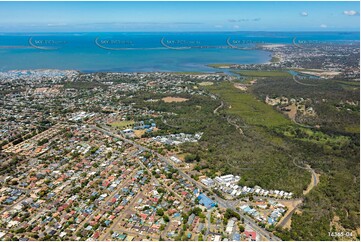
column 190, row 31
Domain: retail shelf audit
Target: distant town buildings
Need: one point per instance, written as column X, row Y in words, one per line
column 222, row 180
column 176, row 139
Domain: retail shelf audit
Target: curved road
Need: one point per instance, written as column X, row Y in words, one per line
column 215, row 111
column 308, row 168
column 236, row 126
column 304, row 84
column 315, row 181
column 285, row 220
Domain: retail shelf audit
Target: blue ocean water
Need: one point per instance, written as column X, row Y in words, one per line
column 144, row 52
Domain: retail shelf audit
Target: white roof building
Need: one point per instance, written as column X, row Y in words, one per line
column 217, row 238
column 175, row 159
column 227, row 178
column 207, row 181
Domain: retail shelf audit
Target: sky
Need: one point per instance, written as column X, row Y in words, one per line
column 178, row 16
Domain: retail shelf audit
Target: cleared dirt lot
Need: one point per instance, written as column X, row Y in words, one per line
column 174, row 99
column 206, row 83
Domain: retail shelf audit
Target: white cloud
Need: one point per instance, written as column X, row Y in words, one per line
column 323, row 26
column 304, row 14
column 236, row 26
column 350, row 12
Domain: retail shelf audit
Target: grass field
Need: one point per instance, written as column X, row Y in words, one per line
column 246, row 106
column 353, row 128
column 189, row 73
column 315, row 137
column 257, row 73
column 122, row 124
column 350, row 83
column 349, row 86
column 219, row 65
column 305, row 69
